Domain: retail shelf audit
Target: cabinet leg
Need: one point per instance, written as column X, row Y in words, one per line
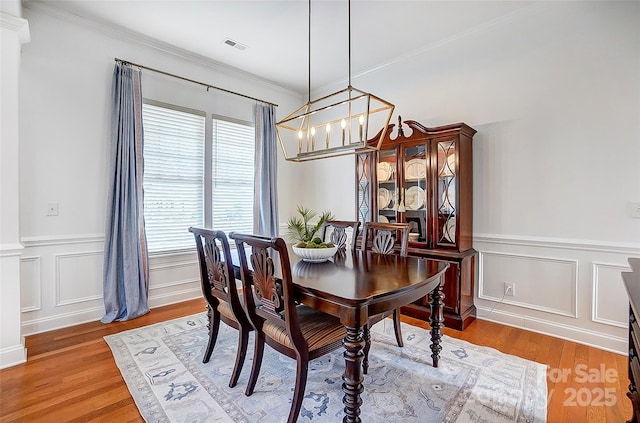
column 635, row 403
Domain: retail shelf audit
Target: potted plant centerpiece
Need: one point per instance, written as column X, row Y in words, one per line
column 309, row 246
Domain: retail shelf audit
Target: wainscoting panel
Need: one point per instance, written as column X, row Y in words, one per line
column 567, row 288
column 78, row 277
column 31, row 283
column 172, row 274
column 61, row 281
column 531, row 277
column 607, row 291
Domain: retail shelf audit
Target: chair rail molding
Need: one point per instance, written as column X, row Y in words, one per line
column 564, row 243
column 15, row 24
column 50, row 240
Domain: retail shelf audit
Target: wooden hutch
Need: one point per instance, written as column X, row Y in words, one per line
column 424, row 176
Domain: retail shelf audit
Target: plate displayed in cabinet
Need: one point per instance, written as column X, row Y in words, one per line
column 414, row 198
column 385, row 170
column 449, row 199
column 384, row 198
column 415, row 169
column 448, row 169
column 382, row 219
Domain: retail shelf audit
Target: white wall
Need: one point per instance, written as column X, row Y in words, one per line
column 65, row 124
column 554, row 92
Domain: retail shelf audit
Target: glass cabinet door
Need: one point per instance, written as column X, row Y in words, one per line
column 363, row 175
column 413, row 198
column 446, row 192
column 386, row 173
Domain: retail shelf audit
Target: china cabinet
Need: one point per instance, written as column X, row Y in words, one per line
column 424, row 177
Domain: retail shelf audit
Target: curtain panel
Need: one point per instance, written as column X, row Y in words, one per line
column 126, row 265
column 265, row 201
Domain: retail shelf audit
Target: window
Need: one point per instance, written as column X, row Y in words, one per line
column 176, row 189
column 232, row 176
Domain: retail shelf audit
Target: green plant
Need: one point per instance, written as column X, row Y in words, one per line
column 302, row 230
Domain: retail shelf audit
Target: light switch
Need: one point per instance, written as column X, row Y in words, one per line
column 635, row 210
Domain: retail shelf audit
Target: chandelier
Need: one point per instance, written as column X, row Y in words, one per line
column 334, row 125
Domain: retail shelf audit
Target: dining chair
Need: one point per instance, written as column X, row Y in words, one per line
column 338, row 235
column 384, row 238
column 221, row 293
column 295, row 330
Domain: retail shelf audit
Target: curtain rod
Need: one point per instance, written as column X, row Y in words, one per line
column 193, row 81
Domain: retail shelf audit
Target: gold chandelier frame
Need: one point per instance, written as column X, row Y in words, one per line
column 334, row 125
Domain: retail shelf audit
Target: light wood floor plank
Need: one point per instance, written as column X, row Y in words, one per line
column 70, row 375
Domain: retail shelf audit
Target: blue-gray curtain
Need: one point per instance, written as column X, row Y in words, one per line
column 126, row 266
column 265, row 192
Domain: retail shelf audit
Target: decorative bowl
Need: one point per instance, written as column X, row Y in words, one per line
column 315, row 255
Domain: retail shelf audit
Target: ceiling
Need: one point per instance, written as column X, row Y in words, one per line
column 276, row 33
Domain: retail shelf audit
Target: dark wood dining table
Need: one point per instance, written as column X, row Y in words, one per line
column 356, row 285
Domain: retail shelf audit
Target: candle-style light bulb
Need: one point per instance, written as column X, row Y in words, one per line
column 343, row 125
column 328, row 127
column 313, row 138
column 300, row 135
column 361, row 121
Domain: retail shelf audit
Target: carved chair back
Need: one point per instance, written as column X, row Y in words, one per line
column 267, row 273
column 338, row 235
column 216, row 269
column 385, row 238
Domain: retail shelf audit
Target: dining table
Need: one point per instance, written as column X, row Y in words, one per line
column 354, row 285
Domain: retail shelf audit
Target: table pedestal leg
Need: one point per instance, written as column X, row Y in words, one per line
column 437, row 322
column 352, row 378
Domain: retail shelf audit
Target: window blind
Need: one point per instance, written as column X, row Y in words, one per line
column 173, row 176
column 232, row 176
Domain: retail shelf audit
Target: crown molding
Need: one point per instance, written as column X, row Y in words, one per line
column 133, row 37
column 15, row 24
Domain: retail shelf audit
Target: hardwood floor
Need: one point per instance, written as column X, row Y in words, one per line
column 70, row 375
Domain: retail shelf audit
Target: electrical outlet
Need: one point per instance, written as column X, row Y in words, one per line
column 52, row 209
column 510, row 289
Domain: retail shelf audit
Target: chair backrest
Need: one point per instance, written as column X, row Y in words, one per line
column 385, row 238
column 338, row 235
column 269, row 278
column 216, row 268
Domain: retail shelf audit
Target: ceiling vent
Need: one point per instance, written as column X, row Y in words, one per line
column 235, row 44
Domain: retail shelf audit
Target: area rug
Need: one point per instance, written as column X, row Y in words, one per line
column 162, row 366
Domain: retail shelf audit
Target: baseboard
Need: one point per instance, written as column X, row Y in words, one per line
column 575, row 334
column 12, row 356
column 174, row 297
column 63, row 320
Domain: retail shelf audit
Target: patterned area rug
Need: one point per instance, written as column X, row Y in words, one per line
column 162, row 366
